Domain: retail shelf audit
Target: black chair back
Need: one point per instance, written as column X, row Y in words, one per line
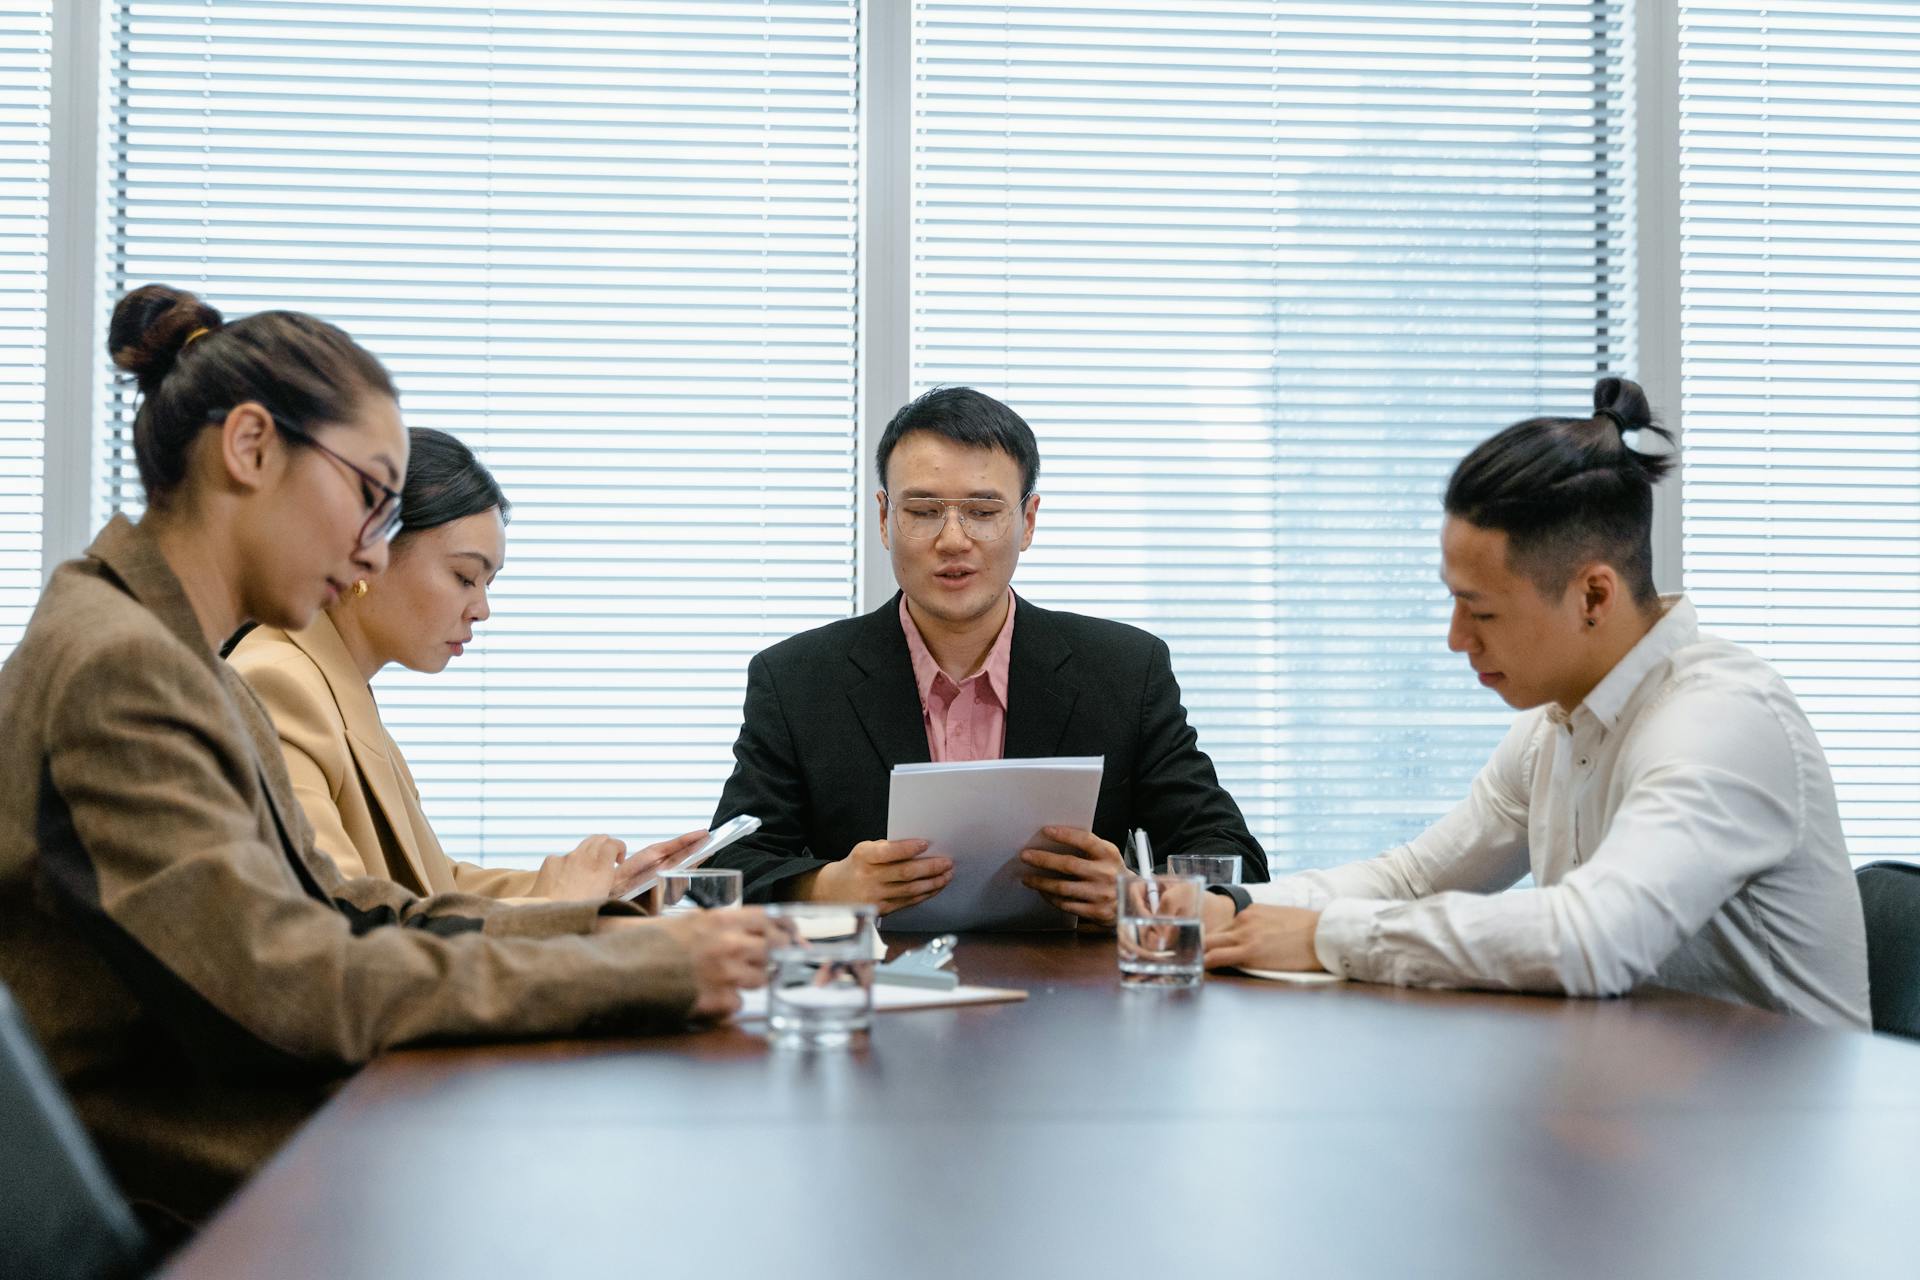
column 1890, row 893
column 61, row 1217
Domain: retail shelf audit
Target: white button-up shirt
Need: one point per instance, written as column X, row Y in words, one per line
column 1681, row 829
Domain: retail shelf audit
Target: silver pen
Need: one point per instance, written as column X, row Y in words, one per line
column 1142, row 852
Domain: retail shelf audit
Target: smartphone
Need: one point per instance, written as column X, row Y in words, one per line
column 737, row 829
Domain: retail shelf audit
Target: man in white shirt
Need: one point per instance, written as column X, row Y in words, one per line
column 1663, row 787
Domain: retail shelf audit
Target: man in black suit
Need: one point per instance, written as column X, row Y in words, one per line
column 956, row 667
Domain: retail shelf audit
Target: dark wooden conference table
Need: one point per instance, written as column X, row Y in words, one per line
column 1242, row 1128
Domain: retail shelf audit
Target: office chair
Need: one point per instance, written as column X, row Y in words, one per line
column 1890, row 894
column 61, row 1216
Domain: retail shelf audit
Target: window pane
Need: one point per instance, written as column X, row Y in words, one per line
column 1800, row 264
column 26, row 59
column 1259, row 274
column 609, row 244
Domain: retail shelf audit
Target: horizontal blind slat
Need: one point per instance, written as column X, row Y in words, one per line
column 610, row 245
column 1254, row 335
column 26, row 68
column 1800, row 257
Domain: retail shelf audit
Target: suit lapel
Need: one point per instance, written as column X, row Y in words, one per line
column 367, row 738
column 129, row 551
column 1039, row 701
column 271, row 774
column 884, row 695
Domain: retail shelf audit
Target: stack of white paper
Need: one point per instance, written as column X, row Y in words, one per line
column 981, row 814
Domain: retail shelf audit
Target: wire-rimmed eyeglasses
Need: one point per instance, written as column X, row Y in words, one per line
column 381, row 499
column 982, row 519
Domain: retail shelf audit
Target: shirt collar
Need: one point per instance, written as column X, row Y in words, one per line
column 1679, row 626
column 926, row 671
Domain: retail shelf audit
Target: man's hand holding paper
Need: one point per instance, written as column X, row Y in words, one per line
column 891, row 874
column 980, row 814
column 1081, row 881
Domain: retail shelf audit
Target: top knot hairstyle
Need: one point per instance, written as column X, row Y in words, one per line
column 190, row 365
column 1568, row 491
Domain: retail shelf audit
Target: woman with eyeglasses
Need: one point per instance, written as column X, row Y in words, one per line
column 199, row 973
column 420, row 613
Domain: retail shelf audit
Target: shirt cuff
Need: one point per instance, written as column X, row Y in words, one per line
column 1288, row 891
column 1241, row 898
column 1347, row 937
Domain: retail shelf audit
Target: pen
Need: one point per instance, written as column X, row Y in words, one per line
column 1143, row 862
column 1142, row 852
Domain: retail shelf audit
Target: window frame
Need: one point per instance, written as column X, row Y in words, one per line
column 76, row 263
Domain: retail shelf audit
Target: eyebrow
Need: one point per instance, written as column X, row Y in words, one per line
column 393, row 472
column 491, row 567
column 1456, row 592
column 994, row 494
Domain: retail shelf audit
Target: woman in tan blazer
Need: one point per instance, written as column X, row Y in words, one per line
column 420, row 612
column 199, row 974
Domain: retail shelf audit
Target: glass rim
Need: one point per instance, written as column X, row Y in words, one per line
column 1193, row 885
column 1128, row 873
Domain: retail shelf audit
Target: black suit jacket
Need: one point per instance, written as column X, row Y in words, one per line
column 832, row 710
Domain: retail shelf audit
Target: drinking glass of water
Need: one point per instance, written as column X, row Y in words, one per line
column 1159, row 927
column 820, row 972
column 701, row 889
column 1214, row 868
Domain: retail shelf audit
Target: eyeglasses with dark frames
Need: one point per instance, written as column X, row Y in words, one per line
column 381, row 499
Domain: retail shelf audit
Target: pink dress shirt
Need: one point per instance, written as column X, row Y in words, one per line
column 965, row 721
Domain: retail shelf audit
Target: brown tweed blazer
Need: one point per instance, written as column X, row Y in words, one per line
column 200, row 975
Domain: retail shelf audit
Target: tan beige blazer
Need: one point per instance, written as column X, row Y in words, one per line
column 199, row 972
column 348, row 773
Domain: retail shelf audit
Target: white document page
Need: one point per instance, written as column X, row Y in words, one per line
column 981, row 814
column 1297, row 979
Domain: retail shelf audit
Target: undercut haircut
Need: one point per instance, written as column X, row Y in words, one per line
column 1570, row 491
column 966, row 417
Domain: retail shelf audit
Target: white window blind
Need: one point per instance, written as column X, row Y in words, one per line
column 26, row 56
column 1801, row 295
column 610, row 244
column 1259, row 274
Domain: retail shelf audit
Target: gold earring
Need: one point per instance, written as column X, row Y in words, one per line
column 358, row 589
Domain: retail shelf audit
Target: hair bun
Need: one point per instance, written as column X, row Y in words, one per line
column 151, row 327
column 1622, row 400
